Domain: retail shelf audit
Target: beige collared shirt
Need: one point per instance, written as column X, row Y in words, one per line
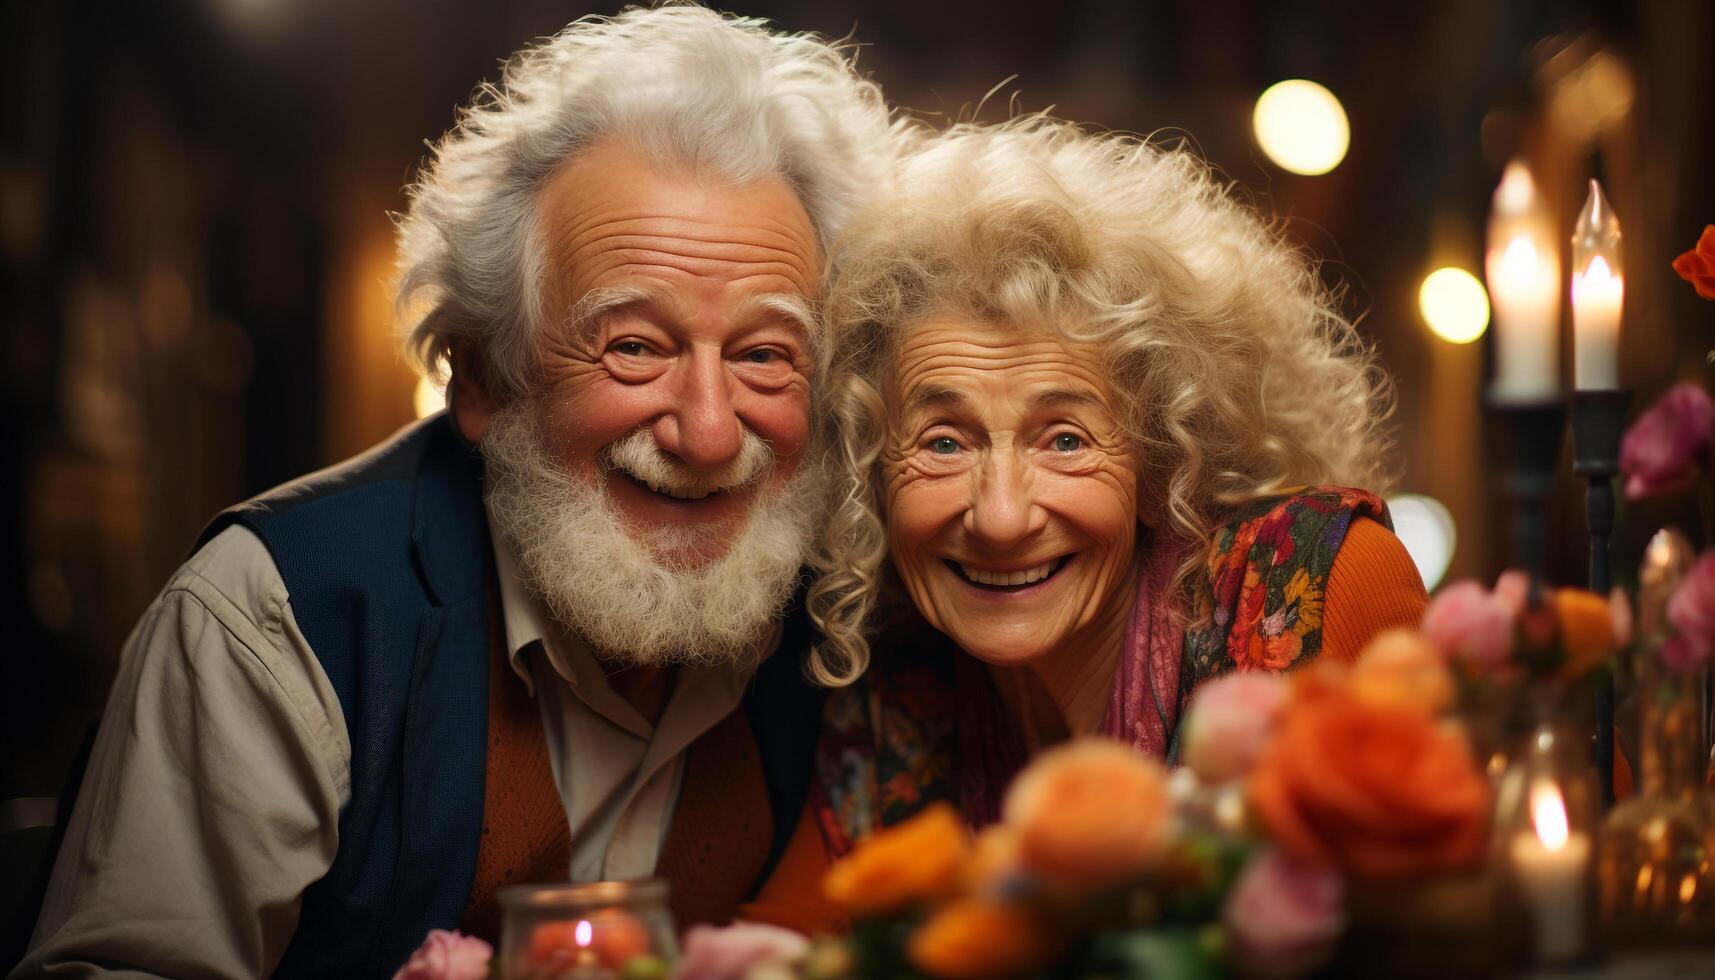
column 213, row 792
column 622, row 779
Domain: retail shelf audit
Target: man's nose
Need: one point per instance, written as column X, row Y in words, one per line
column 1003, row 510
column 701, row 427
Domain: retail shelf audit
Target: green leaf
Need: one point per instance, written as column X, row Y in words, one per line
column 1167, row 954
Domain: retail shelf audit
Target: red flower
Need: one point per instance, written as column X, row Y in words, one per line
column 1664, row 448
column 1698, row 265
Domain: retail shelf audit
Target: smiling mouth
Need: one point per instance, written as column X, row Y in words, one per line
column 1009, row 581
column 671, row 493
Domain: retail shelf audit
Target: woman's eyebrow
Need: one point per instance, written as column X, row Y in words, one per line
column 936, row 396
column 1053, row 397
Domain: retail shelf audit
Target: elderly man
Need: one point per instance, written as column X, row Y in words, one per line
column 553, row 629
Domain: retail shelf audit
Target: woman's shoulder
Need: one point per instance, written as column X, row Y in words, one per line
column 1316, row 505
column 1270, row 570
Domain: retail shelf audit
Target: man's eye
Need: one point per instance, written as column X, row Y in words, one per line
column 944, row 446
column 1066, row 442
column 762, row 355
column 630, row 348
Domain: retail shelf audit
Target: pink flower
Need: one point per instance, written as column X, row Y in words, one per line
column 729, row 953
column 1472, row 625
column 1231, row 721
column 1665, row 447
column 448, row 956
column 1513, row 590
column 1691, row 611
column 1284, row 917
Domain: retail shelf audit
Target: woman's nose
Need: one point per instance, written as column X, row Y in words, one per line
column 1003, row 511
column 701, row 427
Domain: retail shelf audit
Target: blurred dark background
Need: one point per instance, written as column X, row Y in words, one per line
column 195, row 244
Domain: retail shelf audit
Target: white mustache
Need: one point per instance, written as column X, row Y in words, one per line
column 639, row 456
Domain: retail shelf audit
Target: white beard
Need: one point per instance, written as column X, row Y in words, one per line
column 601, row 581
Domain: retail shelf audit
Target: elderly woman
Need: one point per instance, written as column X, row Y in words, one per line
column 1097, row 422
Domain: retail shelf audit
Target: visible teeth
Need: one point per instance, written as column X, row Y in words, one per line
column 676, row 493
column 1025, row 577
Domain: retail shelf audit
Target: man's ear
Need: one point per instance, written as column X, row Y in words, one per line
column 468, row 398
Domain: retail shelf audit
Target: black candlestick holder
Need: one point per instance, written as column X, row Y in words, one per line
column 1531, row 435
column 1598, row 418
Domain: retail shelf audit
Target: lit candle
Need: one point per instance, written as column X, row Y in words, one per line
column 1524, row 286
column 1551, row 861
column 1598, row 291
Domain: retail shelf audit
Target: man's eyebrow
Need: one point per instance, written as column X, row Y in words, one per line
column 601, row 301
column 787, row 306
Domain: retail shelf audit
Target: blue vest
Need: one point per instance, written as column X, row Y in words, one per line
column 385, row 559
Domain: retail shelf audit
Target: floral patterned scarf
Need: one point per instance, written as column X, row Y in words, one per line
column 925, row 722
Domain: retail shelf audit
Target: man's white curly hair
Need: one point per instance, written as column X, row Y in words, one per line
column 1236, row 375
column 724, row 96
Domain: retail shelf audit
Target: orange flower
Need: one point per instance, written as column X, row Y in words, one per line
column 919, row 860
column 1370, row 789
column 980, row 939
column 1587, row 633
column 1698, row 265
column 1399, row 667
column 1090, row 814
column 994, row 856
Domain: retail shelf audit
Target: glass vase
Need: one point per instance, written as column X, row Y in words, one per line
column 1658, row 889
column 598, row 931
column 1656, row 881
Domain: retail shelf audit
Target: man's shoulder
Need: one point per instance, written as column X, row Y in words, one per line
column 235, row 566
column 396, row 460
column 403, row 522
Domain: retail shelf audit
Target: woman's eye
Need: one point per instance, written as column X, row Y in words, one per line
column 944, row 446
column 1066, row 442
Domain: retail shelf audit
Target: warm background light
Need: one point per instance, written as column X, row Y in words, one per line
column 428, row 398
column 1454, row 304
column 1426, row 529
column 1301, row 126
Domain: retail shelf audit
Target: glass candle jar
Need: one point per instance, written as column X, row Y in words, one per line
column 604, row 930
column 1546, row 825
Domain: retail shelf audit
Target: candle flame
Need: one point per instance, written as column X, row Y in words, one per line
column 583, row 933
column 1548, row 813
column 1597, row 270
column 1520, row 266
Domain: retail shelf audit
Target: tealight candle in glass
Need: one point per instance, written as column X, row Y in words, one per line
column 598, row 931
column 1545, row 826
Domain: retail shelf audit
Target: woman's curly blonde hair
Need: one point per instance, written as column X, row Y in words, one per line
column 1236, row 375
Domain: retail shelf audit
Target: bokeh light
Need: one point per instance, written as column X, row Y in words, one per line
column 1454, row 304
column 1302, row 127
column 1425, row 527
column 428, row 398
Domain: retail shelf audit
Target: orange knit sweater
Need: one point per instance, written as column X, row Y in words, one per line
column 1373, row 586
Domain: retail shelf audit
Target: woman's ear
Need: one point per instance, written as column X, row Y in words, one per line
column 468, row 398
